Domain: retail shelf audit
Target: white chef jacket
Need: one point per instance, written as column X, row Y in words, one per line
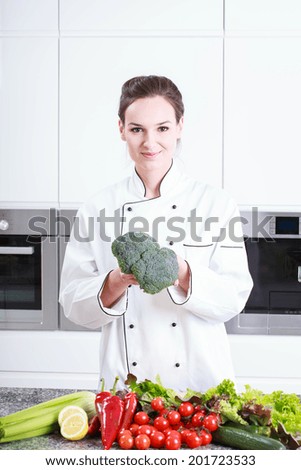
column 181, row 338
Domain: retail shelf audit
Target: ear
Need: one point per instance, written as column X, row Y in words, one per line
column 121, row 129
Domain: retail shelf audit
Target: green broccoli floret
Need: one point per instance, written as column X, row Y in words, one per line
column 139, row 254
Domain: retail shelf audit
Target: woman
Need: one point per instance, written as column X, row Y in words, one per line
column 179, row 333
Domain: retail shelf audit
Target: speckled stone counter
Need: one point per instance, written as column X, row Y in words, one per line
column 16, row 399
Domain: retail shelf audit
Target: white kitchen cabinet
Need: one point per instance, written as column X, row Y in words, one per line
column 60, row 359
column 93, row 70
column 20, row 16
column 29, row 119
column 262, row 16
column 262, row 144
column 136, row 17
column 267, row 362
column 50, row 359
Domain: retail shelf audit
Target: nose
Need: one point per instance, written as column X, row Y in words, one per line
column 149, row 140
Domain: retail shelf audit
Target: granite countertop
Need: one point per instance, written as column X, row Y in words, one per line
column 16, row 399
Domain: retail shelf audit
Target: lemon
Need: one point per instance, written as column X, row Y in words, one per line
column 75, row 427
column 68, row 411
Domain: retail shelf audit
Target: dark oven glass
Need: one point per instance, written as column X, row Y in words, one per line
column 275, row 269
column 20, row 272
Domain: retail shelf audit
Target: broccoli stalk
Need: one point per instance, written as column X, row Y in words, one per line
column 139, row 254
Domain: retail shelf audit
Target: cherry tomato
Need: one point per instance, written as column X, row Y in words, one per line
column 166, row 431
column 197, row 419
column 145, row 429
column 189, row 425
column 186, row 409
column 174, row 417
column 157, row 439
column 126, row 441
column 193, row 440
column 170, row 432
column 124, row 431
column 164, row 412
column 184, row 433
column 161, row 423
column 200, row 408
column 173, row 441
column 141, row 418
column 210, row 422
column 142, row 442
column 206, row 437
column 178, row 426
column 134, row 428
column 157, row 404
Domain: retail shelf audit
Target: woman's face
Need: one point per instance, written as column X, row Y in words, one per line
column 151, row 132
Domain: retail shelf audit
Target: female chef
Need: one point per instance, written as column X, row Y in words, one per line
column 179, row 333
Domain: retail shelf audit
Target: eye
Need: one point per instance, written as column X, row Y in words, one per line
column 135, row 130
column 163, row 129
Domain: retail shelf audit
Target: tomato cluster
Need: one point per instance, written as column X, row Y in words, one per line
column 169, row 429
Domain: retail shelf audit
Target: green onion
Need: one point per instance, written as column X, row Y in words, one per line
column 43, row 418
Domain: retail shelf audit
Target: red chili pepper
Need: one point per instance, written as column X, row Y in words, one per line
column 130, row 405
column 94, row 426
column 111, row 415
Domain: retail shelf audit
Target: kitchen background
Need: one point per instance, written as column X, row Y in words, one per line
column 62, row 64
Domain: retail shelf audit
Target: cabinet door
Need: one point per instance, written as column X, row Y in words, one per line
column 28, row 119
column 262, row 120
column 262, row 16
column 28, row 15
column 93, row 70
column 135, row 16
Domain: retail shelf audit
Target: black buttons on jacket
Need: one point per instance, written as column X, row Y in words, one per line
column 177, row 364
column 129, row 208
column 131, row 325
column 174, row 206
column 173, row 324
column 171, row 242
column 134, row 363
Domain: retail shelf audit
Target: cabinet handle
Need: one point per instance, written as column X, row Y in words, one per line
column 16, row 250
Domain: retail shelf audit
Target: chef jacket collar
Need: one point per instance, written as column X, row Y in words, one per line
column 167, row 184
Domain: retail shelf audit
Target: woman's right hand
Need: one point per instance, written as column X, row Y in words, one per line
column 116, row 284
column 119, row 279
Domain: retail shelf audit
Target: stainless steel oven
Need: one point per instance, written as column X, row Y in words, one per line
column 273, row 244
column 28, row 269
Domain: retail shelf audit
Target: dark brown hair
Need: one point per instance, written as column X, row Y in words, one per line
column 147, row 86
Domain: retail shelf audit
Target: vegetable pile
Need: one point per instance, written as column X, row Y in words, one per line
column 123, row 419
column 139, row 254
column 148, row 415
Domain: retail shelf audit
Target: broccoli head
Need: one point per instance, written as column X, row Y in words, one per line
column 139, row 254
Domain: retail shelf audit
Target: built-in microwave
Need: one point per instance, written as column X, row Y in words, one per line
column 273, row 245
column 28, row 269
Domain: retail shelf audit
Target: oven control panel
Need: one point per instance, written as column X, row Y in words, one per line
column 285, row 225
column 263, row 224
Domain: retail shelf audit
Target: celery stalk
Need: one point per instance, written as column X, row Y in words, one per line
column 43, row 418
column 41, row 431
column 41, row 421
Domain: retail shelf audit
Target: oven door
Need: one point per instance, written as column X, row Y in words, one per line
column 28, row 282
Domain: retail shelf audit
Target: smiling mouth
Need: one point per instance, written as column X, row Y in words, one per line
column 150, row 154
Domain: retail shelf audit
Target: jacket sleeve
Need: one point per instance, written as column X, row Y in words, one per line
column 220, row 281
column 82, row 280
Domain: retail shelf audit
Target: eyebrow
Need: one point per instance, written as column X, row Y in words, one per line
column 141, row 125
